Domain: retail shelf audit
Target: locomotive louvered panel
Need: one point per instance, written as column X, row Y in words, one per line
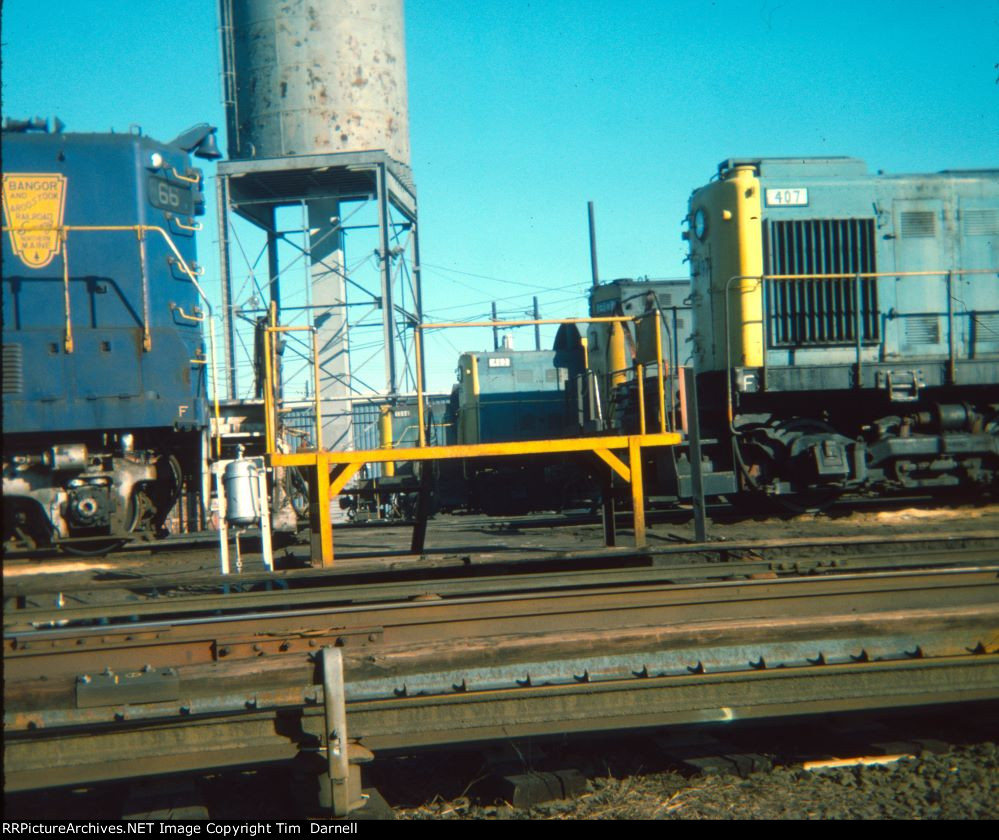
column 981, row 222
column 922, row 330
column 821, row 312
column 986, row 328
column 918, row 224
column 13, row 369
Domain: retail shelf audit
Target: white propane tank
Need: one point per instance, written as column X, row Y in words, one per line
column 240, row 481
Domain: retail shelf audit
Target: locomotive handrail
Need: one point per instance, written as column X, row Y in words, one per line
column 176, row 220
column 866, row 275
column 195, row 180
column 147, row 338
column 180, row 311
column 140, row 231
column 68, row 329
column 526, row 323
column 857, row 276
column 196, row 271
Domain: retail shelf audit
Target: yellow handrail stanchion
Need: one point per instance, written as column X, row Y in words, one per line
column 637, row 488
column 640, row 380
column 268, row 396
column 418, row 347
column 215, row 391
column 315, row 376
column 660, row 372
column 68, row 335
column 385, row 437
column 147, row 339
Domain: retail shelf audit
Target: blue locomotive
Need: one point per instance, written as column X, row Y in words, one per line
column 510, row 395
column 104, row 365
column 845, row 329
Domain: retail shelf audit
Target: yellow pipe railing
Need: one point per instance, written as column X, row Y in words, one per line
column 660, row 373
column 418, row 329
column 640, row 382
column 333, row 470
column 270, row 406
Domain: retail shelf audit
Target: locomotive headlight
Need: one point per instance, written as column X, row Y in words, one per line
column 700, row 223
column 156, row 161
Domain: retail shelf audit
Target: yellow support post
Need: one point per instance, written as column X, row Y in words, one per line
column 319, row 513
column 637, row 489
column 385, row 437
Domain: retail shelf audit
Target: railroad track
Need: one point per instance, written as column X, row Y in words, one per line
column 451, row 661
column 115, row 594
column 722, row 513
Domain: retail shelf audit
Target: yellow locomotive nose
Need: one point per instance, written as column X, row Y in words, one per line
column 727, row 241
column 748, row 291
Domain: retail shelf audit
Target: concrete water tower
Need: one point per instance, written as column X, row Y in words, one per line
column 317, row 119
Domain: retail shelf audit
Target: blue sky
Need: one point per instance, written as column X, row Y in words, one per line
column 523, row 111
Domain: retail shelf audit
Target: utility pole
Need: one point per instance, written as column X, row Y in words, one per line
column 537, row 327
column 593, row 246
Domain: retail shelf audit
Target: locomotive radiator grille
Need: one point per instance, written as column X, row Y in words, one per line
column 13, row 369
column 820, row 312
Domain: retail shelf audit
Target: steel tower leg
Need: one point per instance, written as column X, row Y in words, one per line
column 228, row 330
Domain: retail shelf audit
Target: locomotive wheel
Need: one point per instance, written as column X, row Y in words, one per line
column 771, row 463
column 166, row 492
column 812, row 499
column 98, row 548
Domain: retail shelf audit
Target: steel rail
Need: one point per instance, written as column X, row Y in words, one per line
column 498, row 662
column 20, row 578
column 368, row 567
column 283, row 599
column 49, row 759
column 243, row 689
column 167, row 643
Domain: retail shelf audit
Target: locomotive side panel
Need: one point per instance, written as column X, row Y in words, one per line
column 873, row 291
